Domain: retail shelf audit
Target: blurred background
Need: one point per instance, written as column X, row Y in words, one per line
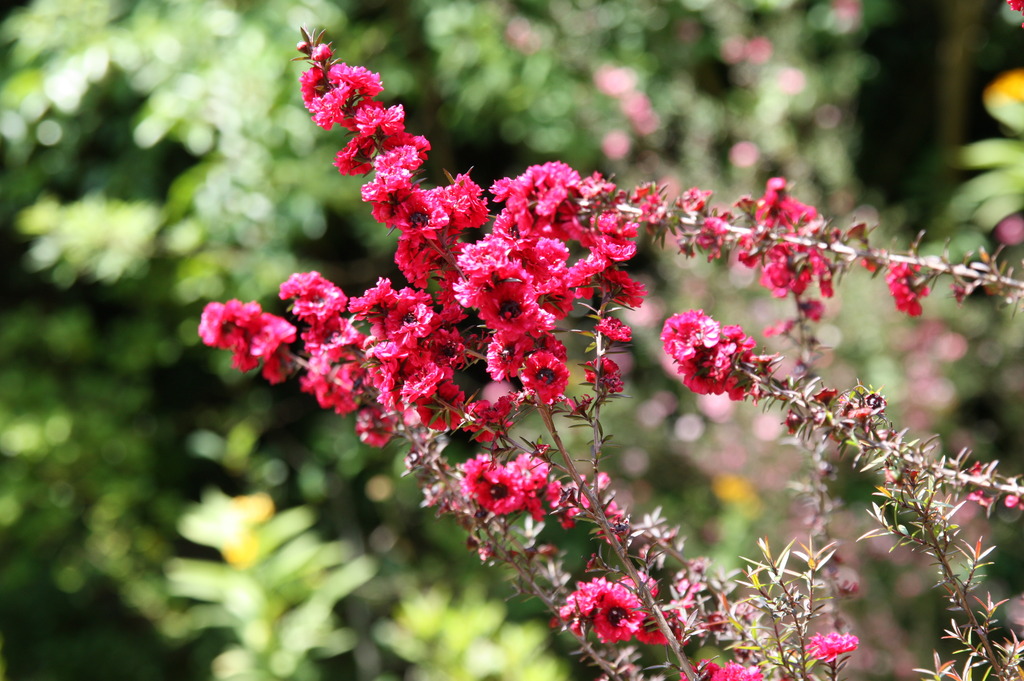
column 165, row 518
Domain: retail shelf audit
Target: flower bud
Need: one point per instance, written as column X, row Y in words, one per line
column 321, row 52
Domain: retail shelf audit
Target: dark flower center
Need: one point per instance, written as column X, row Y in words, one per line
column 546, row 375
column 509, row 310
column 616, row 615
column 499, row 490
column 418, row 219
column 874, row 400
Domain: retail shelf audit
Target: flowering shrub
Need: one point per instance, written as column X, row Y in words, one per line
column 506, row 299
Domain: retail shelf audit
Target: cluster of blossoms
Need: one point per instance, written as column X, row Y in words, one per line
column 905, row 290
column 496, row 293
column 613, row 611
column 827, row 647
column 789, row 242
column 730, row 671
column 515, row 283
column 787, row 267
column 706, row 354
column 252, row 336
column 503, row 489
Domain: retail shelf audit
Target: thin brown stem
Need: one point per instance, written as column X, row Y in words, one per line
column 598, row 514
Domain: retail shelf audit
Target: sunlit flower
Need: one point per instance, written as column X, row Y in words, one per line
column 1007, row 88
column 829, row 646
column 242, row 546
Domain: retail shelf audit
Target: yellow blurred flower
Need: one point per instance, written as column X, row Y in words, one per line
column 254, row 508
column 241, row 550
column 1007, row 88
column 734, row 489
column 242, row 546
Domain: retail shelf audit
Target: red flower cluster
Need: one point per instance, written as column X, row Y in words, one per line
column 905, row 287
column 829, row 646
column 334, row 370
column 785, row 267
column 730, row 671
column 517, row 282
column 707, row 353
column 613, row 610
column 251, row 334
column 503, row 489
column 778, row 220
column 609, row 379
column 614, row 329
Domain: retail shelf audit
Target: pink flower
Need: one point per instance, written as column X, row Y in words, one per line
column 694, row 199
column 713, row 232
column 731, row 671
column 614, row 329
column 649, row 198
column 828, row 647
column 506, row 354
column 511, row 306
column 611, row 375
column 355, row 158
column 905, row 288
column 251, row 334
column 785, row 267
column 489, row 419
column 357, row 80
column 706, row 353
column 623, row 289
column 609, row 607
column 316, row 299
column 980, row 498
column 504, row 489
column 337, row 98
column 374, row 426
column 335, row 386
column 777, row 207
column 546, row 375
column 540, row 202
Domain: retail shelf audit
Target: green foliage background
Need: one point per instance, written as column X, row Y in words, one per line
column 156, row 155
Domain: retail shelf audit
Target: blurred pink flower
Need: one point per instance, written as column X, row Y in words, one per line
column 744, row 154
column 733, row 49
column 792, row 81
column 1010, row 230
column 616, row 144
column 640, row 113
column 615, row 81
column 520, row 35
column 847, row 14
column 759, row 50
